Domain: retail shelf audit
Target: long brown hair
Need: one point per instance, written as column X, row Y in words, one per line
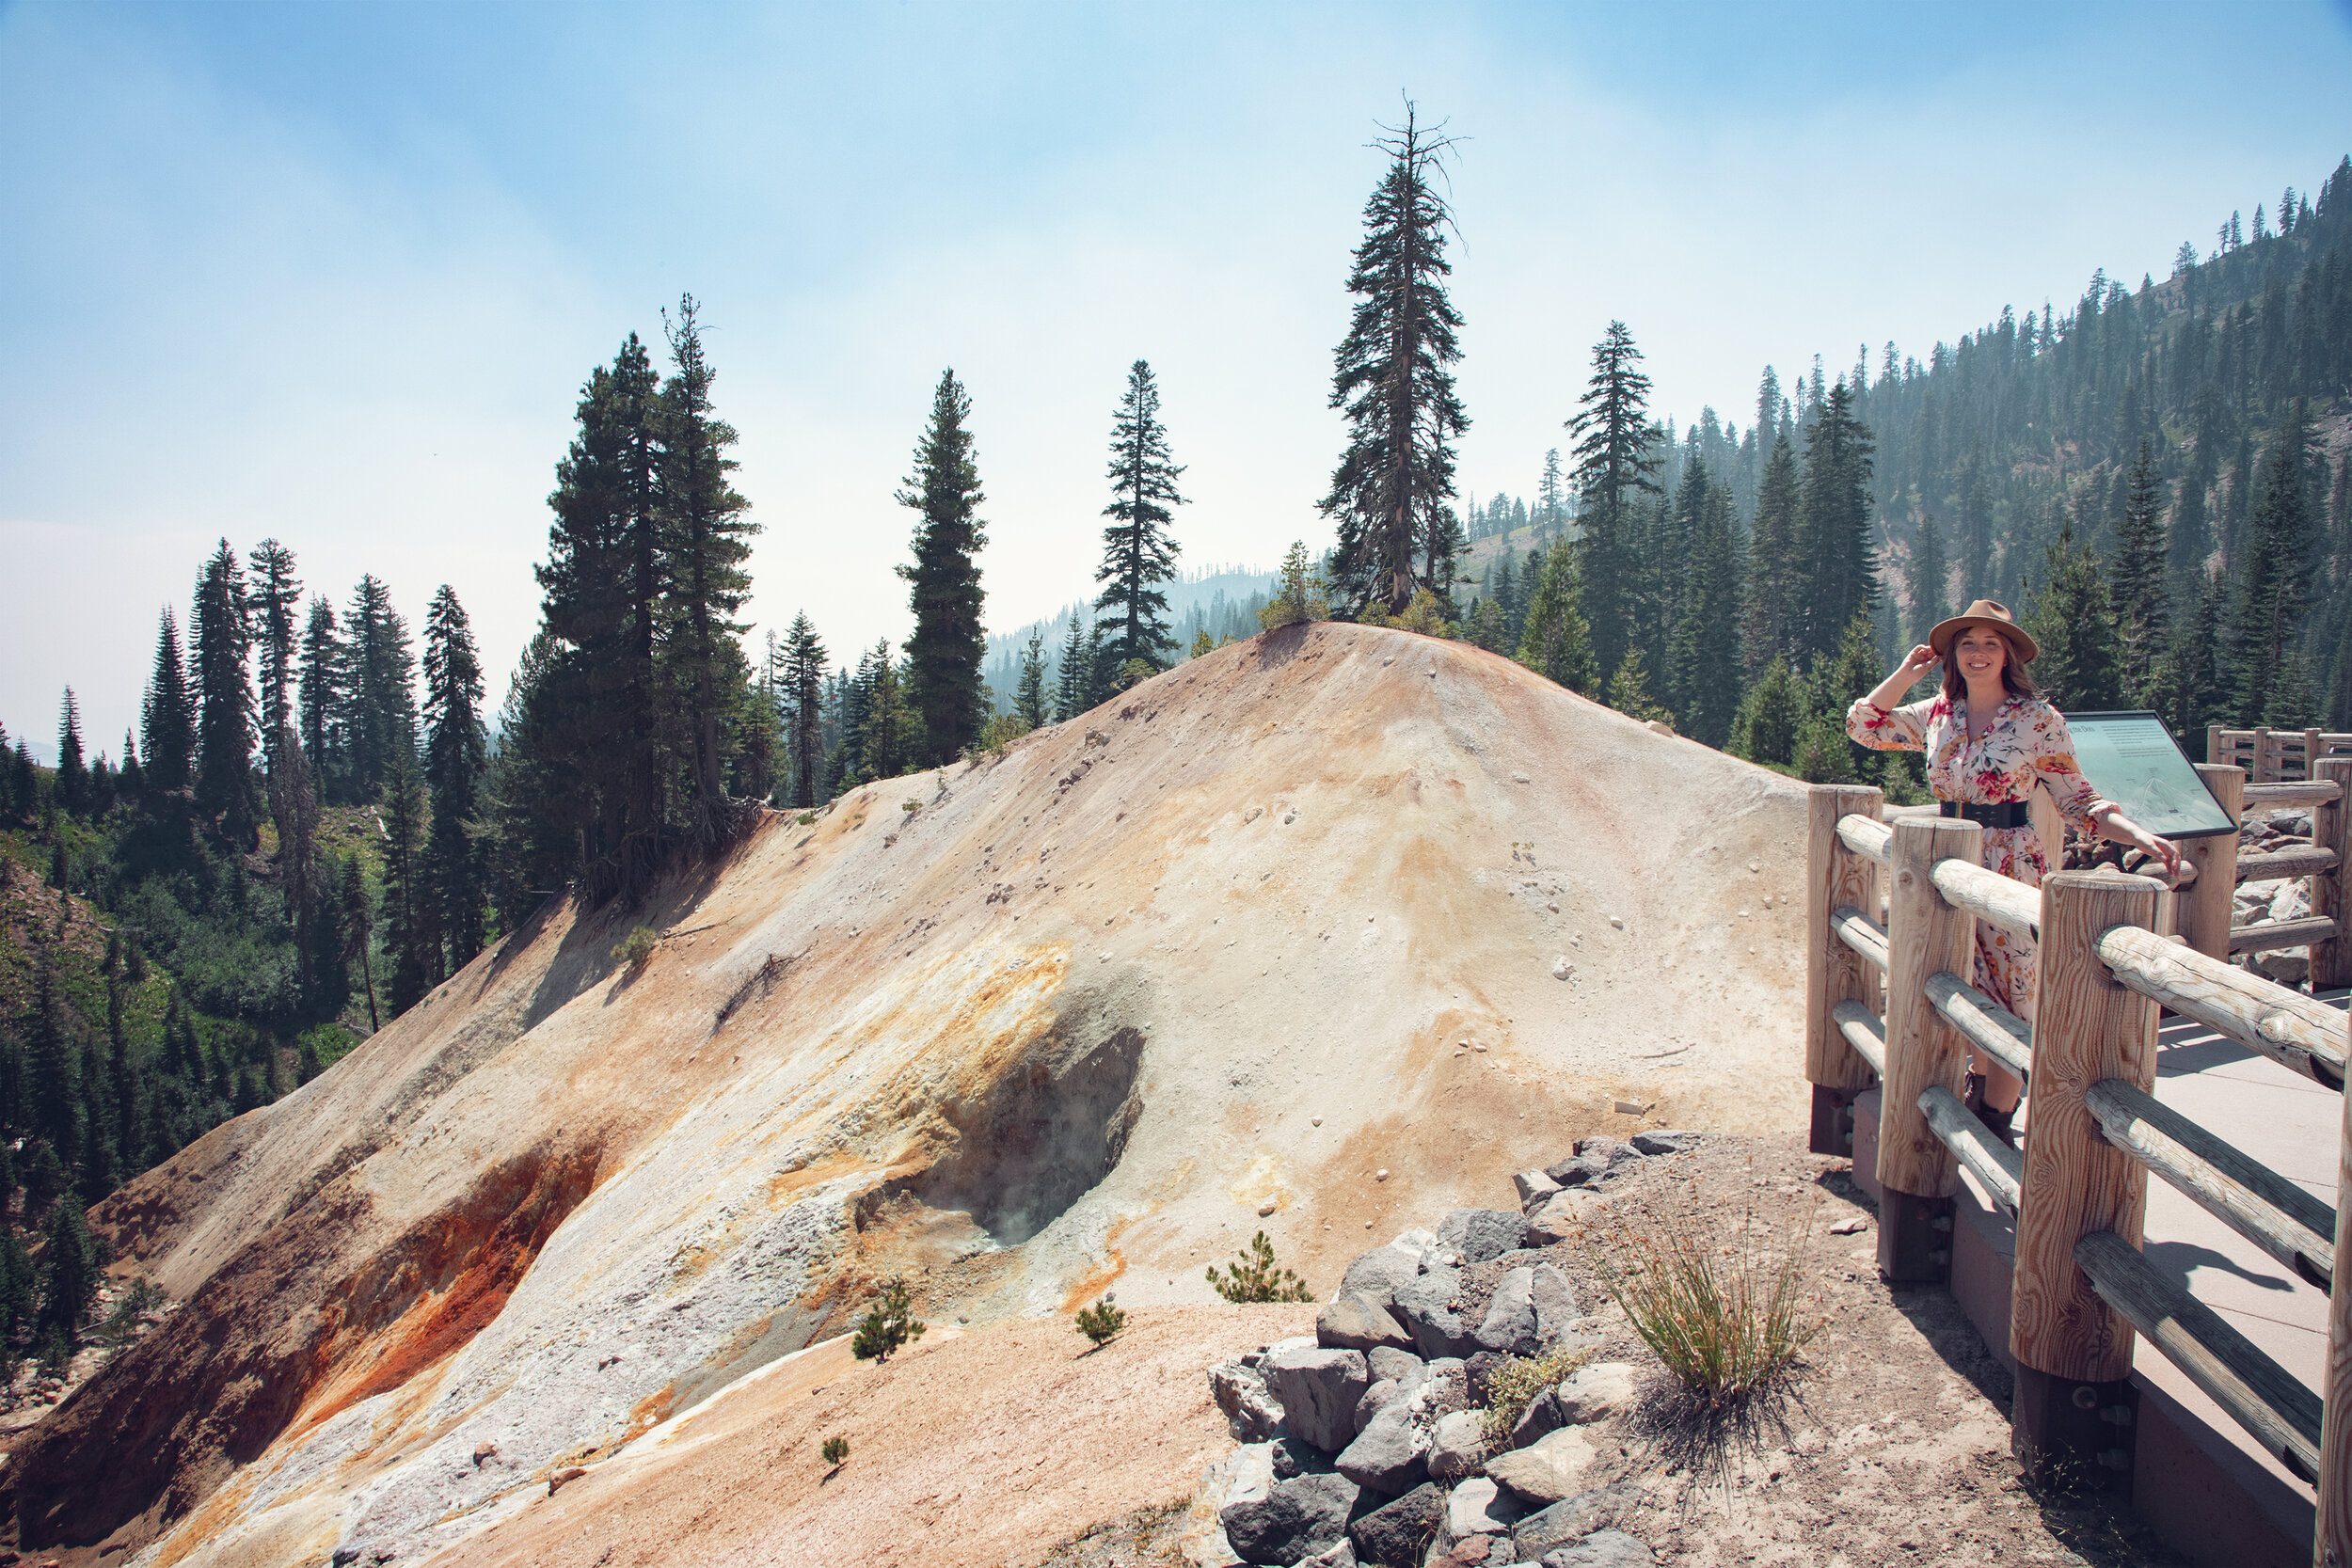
column 2015, row 680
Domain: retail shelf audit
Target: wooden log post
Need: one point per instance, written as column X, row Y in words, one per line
column 1926, row 936
column 1835, row 877
column 2075, row 1400
column 2206, row 903
column 2332, row 1536
column 2331, row 891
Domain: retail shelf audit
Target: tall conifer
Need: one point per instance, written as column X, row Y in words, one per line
column 2274, row 572
column 943, row 657
column 455, row 758
column 223, row 728
column 1030, row 690
column 1138, row 553
column 1833, row 540
column 804, row 695
column 322, row 697
column 1391, row 378
column 383, row 704
column 1614, row 464
column 276, row 595
column 72, row 778
column 2141, row 570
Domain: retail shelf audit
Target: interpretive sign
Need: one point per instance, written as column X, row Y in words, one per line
column 2132, row 759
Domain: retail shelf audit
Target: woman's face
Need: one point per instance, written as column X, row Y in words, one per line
column 1980, row 654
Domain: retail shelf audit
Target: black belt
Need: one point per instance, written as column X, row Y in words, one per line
column 2009, row 814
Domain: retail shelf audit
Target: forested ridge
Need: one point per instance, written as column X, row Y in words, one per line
column 315, row 821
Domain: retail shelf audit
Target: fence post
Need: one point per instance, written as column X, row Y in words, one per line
column 2073, row 1353
column 2331, row 893
column 2333, row 1534
column 1834, row 876
column 2206, row 903
column 2213, row 744
column 1925, row 936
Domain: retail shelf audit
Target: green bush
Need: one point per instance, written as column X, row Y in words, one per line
column 1513, row 1386
column 1102, row 1321
column 837, row 1451
column 636, row 947
column 1254, row 1277
column 889, row 1324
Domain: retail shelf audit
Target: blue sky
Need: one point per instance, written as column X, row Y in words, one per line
column 335, row 273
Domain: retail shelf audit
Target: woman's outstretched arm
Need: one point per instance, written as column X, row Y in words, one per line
column 1875, row 720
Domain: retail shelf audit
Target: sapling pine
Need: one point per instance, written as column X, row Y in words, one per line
column 837, row 1451
column 1101, row 1321
column 1254, row 1277
column 890, row 1322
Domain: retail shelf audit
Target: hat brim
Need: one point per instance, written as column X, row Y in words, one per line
column 1940, row 637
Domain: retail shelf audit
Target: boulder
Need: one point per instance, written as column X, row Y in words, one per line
column 1578, row 1170
column 1340, row 1556
column 1375, row 1275
column 1354, row 1320
column 1665, row 1141
column 1566, row 1523
column 1479, row 1551
column 1604, row 1549
column 1390, row 1455
column 1541, row 1417
column 1295, row 1520
column 1456, row 1444
column 1561, row 1216
column 1479, row 1507
column 1555, row 1302
column 1430, row 1306
column 1547, row 1471
column 1509, row 1326
column 1596, row 1392
column 1381, row 1395
column 1393, row 1535
column 1604, row 1148
column 1478, row 1375
column 1291, row 1457
column 1400, row 1365
column 1318, row 1390
column 1251, row 1412
column 1534, row 1185
column 1481, row 1234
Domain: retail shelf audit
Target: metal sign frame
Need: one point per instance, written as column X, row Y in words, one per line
column 2163, row 792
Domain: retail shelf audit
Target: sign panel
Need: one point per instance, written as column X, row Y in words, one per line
column 2133, row 760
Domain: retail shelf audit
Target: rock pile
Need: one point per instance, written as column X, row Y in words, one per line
column 1369, row 1443
column 2275, row 898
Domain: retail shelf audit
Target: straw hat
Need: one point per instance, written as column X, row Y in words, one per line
column 1984, row 612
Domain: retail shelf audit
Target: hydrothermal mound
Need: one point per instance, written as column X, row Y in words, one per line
column 1337, row 927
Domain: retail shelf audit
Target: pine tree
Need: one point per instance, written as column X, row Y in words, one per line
column 1029, row 692
column 359, row 931
column 1928, row 573
column 1138, row 554
column 1628, row 690
column 1556, row 643
column 69, row 1273
column 167, row 715
column 2074, row 619
column 411, row 923
column 891, row 730
column 1551, row 502
column 52, row 1091
column 1613, row 463
column 1070, row 680
column 1851, row 670
column 1391, row 379
column 1833, row 536
column 276, row 595
column 322, row 696
column 1772, row 615
column 943, row 657
column 2140, row 568
column 1301, row 594
column 130, row 1120
column 455, row 758
column 1975, row 527
column 2274, row 578
column 1771, row 717
column 382, row 697
column 224, row 730
column 293, row 807
column 72, row 781
column 804, row 693
column 1704, row 678
column 705, row 535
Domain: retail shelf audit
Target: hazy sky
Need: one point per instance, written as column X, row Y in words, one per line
column 335, row 273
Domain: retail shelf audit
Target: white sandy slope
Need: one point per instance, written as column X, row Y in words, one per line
column 1225, row 936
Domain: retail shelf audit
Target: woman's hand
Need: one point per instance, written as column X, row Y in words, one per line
column 1917, row 662
column 2125, row 830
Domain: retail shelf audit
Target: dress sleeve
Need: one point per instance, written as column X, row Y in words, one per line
column 1899, row 729
column 2053, row 760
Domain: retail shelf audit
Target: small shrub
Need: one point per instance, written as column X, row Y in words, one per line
column 1513, row 1386
column 1254, row 1277
column 1726, row 1320
column 122, row 1323
column 1425, row 614
column 836, row 1452
column 1101, row 1321
column 910, row 807
column 889, row 1324
column 806, row 819
column 636, row 947
column 1134, row 673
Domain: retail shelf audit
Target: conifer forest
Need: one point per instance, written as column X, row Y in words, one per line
column 328, row 807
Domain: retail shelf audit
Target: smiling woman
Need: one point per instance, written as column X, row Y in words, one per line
column 1992, row 740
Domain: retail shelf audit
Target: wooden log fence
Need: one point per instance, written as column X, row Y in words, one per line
column 2206, row 903
column 2271, row 756
column 1891, row 1002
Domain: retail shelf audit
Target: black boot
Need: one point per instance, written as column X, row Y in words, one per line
column 1996, row 1122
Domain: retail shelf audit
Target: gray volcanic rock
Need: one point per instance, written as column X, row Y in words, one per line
column 1482, row 1234
column 1391, row 1455
column 1299, row 1518
column 1604, row 1549
column 1431, row 1308
column 1251, row 1410
column 1563, row 1523
column 1401, row 1365
column 1456, row 1444
column 1666, row 1141
column 1355, row 1320
column 1509, row 1327
column 1393, row 1535
column 1555, row 1302
column 1319, row 1389
column 1377, row 1274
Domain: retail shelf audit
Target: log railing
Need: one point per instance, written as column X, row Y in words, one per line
column 2271, row 755
column 2206, row 903
column 1892, row 1001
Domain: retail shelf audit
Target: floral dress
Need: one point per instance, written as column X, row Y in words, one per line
column 2027, row 744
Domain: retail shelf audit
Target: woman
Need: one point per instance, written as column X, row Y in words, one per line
column 1991, row 739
